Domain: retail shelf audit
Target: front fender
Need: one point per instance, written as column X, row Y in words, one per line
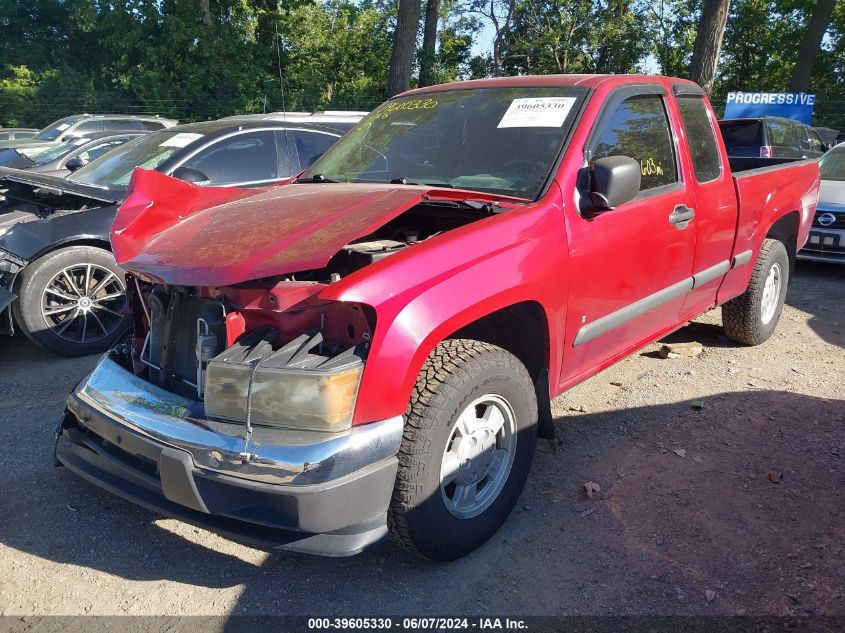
column 430, row 291
column 29, row 240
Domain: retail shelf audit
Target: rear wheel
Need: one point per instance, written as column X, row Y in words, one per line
column 71, row 301
column 752, row 317
column 469, row 440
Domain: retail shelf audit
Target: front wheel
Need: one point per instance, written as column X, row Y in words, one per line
column 751, row 318
column 71, row 301
column 469, row 440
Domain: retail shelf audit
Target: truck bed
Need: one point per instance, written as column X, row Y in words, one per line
column 763, row 193
column 741, row 164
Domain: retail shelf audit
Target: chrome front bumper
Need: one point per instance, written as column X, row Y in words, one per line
column 270, row 456
column 295, row 490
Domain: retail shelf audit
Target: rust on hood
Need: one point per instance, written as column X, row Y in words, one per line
column 179, row 233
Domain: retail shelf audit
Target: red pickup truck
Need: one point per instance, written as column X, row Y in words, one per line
column 373, row 347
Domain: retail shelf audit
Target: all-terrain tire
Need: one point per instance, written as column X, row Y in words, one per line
column 752, row 317
column 38, row 311
column 457, row 374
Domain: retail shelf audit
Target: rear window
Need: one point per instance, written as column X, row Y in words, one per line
column 815, row 142
column 785, row 134
column 742, row 135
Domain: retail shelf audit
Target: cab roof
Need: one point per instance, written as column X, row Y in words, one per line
column 584, row 81
column 231, row 124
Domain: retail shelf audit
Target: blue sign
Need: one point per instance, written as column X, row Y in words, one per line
column 789, row 105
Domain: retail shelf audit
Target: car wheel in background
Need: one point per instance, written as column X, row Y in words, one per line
column 72, row 301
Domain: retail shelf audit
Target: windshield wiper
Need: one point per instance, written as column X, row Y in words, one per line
column 316, row 178
column 404, row 181
column 89, row 184
column 476, row 205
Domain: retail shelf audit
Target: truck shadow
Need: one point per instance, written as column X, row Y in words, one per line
column 821, row 296
column 652, row 503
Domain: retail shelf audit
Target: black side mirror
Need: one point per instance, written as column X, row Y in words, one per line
column 614, row 180
column 193, row 176
column 74, row 163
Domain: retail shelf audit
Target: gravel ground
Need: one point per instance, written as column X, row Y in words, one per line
column 721, row 491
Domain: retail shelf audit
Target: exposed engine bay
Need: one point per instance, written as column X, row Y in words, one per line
column 31, row 202
column 424, row 221
column 250, row 351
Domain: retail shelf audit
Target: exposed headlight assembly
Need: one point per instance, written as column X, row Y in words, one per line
column 307, row 384
column 10, row 263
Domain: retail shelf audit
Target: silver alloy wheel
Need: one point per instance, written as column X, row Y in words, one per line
column 82, row 303
column 771, row 295
column 478, row 456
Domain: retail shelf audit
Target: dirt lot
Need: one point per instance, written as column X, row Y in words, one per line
column 685, row 451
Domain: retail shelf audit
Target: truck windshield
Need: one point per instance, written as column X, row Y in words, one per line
column 832, row 164
column 498, row 140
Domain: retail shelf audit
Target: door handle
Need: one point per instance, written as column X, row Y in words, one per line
column 681, row 216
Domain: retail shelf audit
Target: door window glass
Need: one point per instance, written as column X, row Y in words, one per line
column 88, row 127
column 312, row 145
column 123, row 124
column 638, row 128
column 701, row 138
column 244, row 158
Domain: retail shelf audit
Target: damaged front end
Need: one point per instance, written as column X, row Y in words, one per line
column 236, row 417
column 233, row 406
column 232, row 414
column 249, row 363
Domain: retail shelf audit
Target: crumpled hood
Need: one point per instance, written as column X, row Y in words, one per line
column 179, row 233
column 35, row 180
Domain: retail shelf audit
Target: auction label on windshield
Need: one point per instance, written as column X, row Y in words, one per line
column 180, row 140
column 537, row 112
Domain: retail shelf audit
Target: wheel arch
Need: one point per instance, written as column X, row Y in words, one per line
column 523, row 330
column 520, row 328
column 92, row 240
column 785, row 229
column 97, row 242
column 515, row 320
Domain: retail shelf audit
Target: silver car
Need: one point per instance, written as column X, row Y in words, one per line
column 827, row 236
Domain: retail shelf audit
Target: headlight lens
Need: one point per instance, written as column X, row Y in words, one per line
column 307, row 400
column 287, row 388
